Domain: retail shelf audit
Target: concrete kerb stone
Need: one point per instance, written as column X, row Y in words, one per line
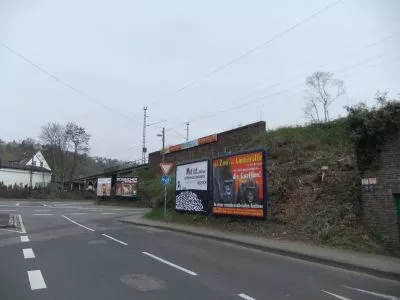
column 388, row 267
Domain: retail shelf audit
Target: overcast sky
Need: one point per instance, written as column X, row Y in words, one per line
column 127, row 54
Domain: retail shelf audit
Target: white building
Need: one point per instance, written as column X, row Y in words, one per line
column 21, row 171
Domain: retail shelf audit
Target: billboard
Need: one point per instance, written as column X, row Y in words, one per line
column 126, row 186
column 192, row 187
column 104, row 187
column 239, row 184
column 193, row 143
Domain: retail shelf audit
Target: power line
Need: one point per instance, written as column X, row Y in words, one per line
column 59, row 80
column 252, row 50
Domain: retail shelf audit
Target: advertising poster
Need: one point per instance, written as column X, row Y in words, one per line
column 126, row 186
column 238, row 184
column 192, row 187
column 104, row 187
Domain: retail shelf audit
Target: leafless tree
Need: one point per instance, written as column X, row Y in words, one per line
column 78, row 141
column 322, row 91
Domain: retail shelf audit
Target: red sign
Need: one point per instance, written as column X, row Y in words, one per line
column 166, row 168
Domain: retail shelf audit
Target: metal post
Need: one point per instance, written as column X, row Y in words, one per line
column 163, row 160
column 187, row 131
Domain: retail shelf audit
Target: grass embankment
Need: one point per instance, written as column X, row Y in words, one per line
column 306, row 202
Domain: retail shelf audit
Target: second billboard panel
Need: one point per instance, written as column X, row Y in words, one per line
column 192, row 187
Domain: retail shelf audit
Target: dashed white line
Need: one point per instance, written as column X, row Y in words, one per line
column 28, row 253
column 78, row 213
column 108, row 213
column 17, row 204
column 336, row 296
column 4, row 210
column 383, row 296
column 21, row 224
column 114, row 239
column 42, row 214
column 170, row 264
column 247, row 297
column 36, row 280
column 42, row 210
column 76, row 223
column 24, row 238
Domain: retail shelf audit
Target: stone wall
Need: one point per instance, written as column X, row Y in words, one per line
column 379, row 206
column 232, row 140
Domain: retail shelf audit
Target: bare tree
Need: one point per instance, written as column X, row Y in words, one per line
column 322, row 91
column 78, row 140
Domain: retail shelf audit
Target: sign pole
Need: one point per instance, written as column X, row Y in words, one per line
column 165, row 201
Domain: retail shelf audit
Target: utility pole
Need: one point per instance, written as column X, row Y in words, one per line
column 30, row 181
column 187, row 131
column 163, row 144
column 144, row 149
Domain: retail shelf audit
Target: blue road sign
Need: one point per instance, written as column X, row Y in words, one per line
column 165, row 180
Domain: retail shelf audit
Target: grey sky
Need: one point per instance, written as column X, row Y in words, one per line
column 128, row 53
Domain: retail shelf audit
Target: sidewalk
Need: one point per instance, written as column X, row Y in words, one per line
column 374, row 264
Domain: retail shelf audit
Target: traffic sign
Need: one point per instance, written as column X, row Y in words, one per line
column 166, row 168
column 165, row 180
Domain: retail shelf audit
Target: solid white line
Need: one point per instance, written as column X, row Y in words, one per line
column 336, row 296
column 4, row 210
column 42, row 214
column 36, row 280
column 42, row 210
column 23, row 230
column 76, row 223
column 10, row 230
column 247, row 297
column 389, row 297
column 114, row 239
column 79, row 213
column 28, row 253
column 109, row 213
column 170, row 263
column 24, row 238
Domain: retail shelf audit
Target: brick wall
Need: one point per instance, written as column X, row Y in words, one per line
column 232, row 140
column 379, row 207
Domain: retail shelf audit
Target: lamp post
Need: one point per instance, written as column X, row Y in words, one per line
column 163, row 160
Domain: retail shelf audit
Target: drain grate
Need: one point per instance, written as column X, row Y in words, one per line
column 143, row 283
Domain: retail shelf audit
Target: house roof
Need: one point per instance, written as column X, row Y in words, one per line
column 4, row 165
column 22, row 158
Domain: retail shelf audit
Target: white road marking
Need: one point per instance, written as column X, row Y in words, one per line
column 247, row 297
column 10, row 230
column 17, row 204
column 114, row 239
column 36, row 280
column 336, row 296
column 76, row 223
column 21, row 224
column 42, row 210
column 4, row 210
column 45, row 205
column 42, row 214
column 109, row 213
column 24, row 238
column 28, row 253
column 170, row 264
column 383, row 296
column 79, row 213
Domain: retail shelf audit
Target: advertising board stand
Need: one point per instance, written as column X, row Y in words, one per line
column 239, row 184
column 193, row 186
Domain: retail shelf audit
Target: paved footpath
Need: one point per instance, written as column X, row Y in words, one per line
column 78, row 250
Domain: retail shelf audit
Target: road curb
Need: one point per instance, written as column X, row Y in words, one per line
column 283, row 252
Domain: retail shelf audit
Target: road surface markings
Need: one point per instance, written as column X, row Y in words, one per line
column 4, row 210
column 76, row 223
column 79, row 213
column 36, row 280
column 114, row 239
column 28, row 253
column 42, row 214
column 21, row 224
column 10, row 230
column 17, row 204
column 247, row 297
column 109, row 213
column 42, row 210
column 383, row 296
column 170, row 264
column 336, row 296
column 24, row 238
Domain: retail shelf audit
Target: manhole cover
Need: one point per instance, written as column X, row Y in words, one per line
column 96, row 242
column 143, row 282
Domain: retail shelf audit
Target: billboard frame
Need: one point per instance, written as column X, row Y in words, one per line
column 119, row 197
column 264, row 176
column 210, row 203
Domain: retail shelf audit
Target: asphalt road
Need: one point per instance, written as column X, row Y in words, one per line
column 76, row 250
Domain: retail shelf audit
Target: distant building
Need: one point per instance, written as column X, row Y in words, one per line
column 21, row 168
